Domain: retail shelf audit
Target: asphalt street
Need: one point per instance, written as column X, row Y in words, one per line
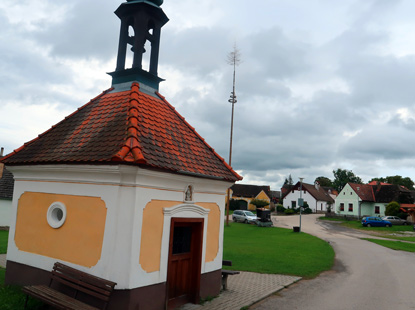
column 366, row 276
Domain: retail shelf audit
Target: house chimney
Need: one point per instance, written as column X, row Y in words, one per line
column 1, row 152
column 317, row 185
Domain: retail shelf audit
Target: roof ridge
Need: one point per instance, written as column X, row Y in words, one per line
column 53, row 126
column 131, row 150
column 199, row 136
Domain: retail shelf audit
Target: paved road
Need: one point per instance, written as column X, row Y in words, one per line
column 365, row 276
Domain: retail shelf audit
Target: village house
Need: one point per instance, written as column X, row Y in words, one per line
column 6, row 194
column 316, row 197
column 123, row 189
column 245, row 193
column 358, row 200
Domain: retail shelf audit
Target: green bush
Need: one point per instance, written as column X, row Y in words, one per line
column 280, row 208
column 289, row 211
column 307, row 211
column 392, row 209
column 403, row 215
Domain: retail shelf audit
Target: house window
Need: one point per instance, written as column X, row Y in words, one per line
column 344, row 193
column 350, row 193
column 377, row 209
column 342, row 207
column 293, row 204
column 350, row 207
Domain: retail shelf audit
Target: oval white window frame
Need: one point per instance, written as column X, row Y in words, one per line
column 52, row 215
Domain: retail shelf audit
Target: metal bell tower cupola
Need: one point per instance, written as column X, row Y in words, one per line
column 141, row 23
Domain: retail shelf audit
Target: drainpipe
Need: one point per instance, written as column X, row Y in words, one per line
column 359, row 203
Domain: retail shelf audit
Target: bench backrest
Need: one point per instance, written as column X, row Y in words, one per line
column 82, row 282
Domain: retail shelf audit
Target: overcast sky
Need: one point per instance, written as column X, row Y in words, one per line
column 323, row 84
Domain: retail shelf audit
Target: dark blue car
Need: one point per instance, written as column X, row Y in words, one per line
column 373, row 221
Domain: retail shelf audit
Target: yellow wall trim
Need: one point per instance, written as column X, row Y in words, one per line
column 79, row 240
column 152, row 232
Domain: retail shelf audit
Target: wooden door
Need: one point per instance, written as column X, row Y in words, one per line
column 185, row 254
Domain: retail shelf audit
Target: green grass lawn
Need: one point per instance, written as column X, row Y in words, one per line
column 11, row 297
column 4, row 235
column 394, row 245
column 251, row 248
column 276, row 250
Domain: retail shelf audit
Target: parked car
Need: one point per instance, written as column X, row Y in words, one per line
column 375, row 222
column 395, row 220
column 244, row 216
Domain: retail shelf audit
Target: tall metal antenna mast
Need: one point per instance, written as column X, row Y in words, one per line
column 234, row 59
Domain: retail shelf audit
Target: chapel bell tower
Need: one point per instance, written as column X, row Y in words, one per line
column 141, row 22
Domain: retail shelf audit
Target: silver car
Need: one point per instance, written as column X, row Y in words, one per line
column 244, row 216
column 395, row 220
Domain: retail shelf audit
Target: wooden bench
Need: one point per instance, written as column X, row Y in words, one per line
column 226, row 273
column 90, row 286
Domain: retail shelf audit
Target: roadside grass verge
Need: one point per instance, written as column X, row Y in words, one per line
column 4, row 236
column 394, row 245
column 276, row 251
column 396, row 232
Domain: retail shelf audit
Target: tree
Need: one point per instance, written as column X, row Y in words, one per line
column 323, row 181
column 343, row 176
column 288, row 181
column 393, row 208
column 259, row 203
column 398, row 180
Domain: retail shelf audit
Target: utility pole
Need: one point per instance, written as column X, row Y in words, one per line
column 300, row 201
column 234, row 59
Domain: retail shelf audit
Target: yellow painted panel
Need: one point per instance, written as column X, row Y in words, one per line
column 213, row 231
column 79, row 240
column 152, row 233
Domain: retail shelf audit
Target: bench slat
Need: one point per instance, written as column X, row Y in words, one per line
column 229, row 272
column 94, row 280
column 55, row 298
column 79, row 281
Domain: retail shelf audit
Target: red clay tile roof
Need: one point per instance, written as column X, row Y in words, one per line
column 364, row 191
column 126, row 127
column 376, row 183
column 319, row 194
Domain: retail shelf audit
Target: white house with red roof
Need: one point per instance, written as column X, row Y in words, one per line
column 360, row 200
column 315, row 196
column 123, row 189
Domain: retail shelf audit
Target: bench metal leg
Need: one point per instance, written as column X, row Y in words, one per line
column 225, row 282
column 27, row 299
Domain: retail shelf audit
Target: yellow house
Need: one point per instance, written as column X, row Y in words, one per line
column 124, row 189
column 245, row 193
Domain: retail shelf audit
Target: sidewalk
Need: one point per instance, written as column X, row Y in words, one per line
column 244, row 290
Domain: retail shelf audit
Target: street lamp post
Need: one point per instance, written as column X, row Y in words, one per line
column 300, row 201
